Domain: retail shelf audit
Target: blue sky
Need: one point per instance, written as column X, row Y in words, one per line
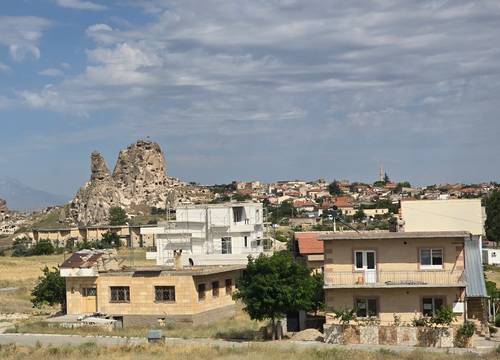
column 269, row 90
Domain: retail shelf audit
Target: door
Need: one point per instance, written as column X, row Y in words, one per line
column 365, row 260
column 89, row 296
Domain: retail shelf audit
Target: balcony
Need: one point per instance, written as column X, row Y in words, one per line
column 394, row 279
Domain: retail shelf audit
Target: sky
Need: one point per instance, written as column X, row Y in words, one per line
column 242, row 90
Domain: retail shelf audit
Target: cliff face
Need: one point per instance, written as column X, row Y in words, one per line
column 141, row 173
column 139, row 178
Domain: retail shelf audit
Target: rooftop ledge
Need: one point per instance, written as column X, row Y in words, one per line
column 386, row 235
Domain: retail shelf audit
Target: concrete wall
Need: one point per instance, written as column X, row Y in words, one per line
column 142, row 294
column 443, row 215
column 392, row 254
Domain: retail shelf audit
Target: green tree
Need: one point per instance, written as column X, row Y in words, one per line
column 273, row 286
column 386, row 178
column 401, row 185
column 359, row 215
column 43, row 247
column 493, row 216
column 21, row 247
column 109, row 240
column 50, row 289
column 318, row 294
column 241, row 197
column 117, row 216
column 334, row 188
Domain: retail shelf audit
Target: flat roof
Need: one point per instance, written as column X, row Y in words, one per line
column 386, row 235
column 219, row 205
column 169, row 270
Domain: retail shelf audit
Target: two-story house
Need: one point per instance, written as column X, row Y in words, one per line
column 403, row 274
column 211, row 234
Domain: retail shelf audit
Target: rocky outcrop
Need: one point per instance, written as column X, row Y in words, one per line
column 139, row 178
column 141, row 173
column 92, row 202
column 3, row 209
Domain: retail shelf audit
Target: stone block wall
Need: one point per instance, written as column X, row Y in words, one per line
column 389, row 335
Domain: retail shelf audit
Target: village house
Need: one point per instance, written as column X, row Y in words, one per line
column 211, row 234
column 97, row 283
column 405, row 274
column 309, row 249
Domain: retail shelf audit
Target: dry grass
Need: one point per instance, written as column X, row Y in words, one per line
column 256, row 351
column 240, row 327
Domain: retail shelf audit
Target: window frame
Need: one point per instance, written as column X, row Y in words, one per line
column 364, row 256
column 366, row 300
column 202, row 295
column 228, row 283
column 126, row 293
column 433, row 300
column 215, row 288
column 164, row 289
column 431, row 266
column 226, row 243
column 85, row 291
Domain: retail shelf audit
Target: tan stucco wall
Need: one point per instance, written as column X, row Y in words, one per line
column 142, row 294
column 392, row 254
column 406, row 303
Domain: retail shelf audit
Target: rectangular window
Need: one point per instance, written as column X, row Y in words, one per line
column 201, row 292
column 366, row 307
column 431, row 258
column 364, row 260
column 238, row 214
column 246, row 241
column 164, row 293
column 226, row 245
column 431, row 305
column 120, row 294
column 89, row 292
column 215, row 289
column 229, row 287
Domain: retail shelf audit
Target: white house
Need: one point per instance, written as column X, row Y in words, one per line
column 211, row 234
column 491, row 256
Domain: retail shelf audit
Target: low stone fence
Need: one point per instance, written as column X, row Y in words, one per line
column 389, row 335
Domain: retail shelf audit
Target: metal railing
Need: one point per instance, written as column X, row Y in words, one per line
column 394, row 278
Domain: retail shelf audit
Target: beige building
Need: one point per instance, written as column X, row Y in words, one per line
column 95, row 283
column 382, row 274
column 129, row 234
column 444, row 215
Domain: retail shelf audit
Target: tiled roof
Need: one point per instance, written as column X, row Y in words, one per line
column 309, row 243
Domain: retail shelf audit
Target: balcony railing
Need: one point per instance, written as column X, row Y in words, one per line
column 423, row 278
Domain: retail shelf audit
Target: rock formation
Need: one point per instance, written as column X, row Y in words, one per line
column 141, row 173
column 3, row 209
column 92, row 202
column 139, row 178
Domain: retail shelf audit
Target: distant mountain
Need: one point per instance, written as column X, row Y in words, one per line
column 20, row 196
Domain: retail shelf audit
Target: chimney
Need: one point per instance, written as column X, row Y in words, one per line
column 178, row 259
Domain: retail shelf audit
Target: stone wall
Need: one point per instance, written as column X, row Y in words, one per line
column 389, row 335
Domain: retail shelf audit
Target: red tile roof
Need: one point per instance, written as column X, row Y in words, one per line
column 309, row 243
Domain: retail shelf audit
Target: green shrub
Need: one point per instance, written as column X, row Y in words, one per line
column 444, row 316
column 345, row 316
column 497, row 320
column 43, row 247
column 21, row 247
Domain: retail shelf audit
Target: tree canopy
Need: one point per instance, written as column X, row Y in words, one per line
column 334, row 188
column 273, row 286
column 493, row 216
column 117, row 216
column 50, row 289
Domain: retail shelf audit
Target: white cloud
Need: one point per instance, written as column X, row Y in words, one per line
column 19, row 52
column 81, row 5
column 21, row 35
column 51, row 72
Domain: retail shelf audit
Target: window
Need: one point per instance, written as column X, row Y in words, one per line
column 215, row 289
column 120, row 294
column 89, row 292
column 238, row 214
column 366, row 307
column 226, row 245
column 164, row 293
column 431, row 258
column 201, row 292
column 229, row 286
column 364, row 260
column 431, row 305
column 246, row 241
